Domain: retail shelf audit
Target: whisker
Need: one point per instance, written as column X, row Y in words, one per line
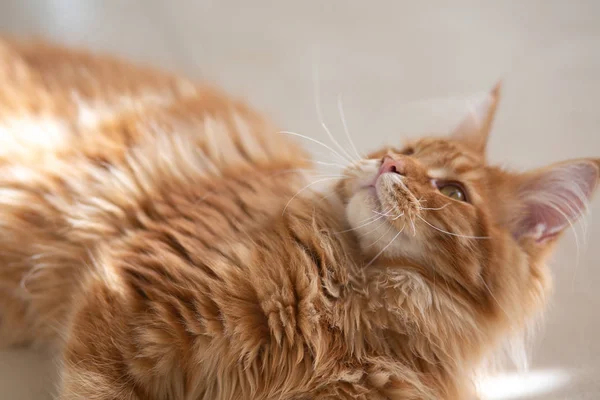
column 317, row 90
column 309, row 172
column 317, row 142
column 451, row 233
column 304, row 188
column 329, row 164
column 329, row 175
column 434, row 208
column 387, row 214
column 374, row 229
column 366, row 224
column 323, row 198
column 272, row 174
column 369, row 222
column 382, row 236
column 386, row 246
column 368, row 219
column 346, row 130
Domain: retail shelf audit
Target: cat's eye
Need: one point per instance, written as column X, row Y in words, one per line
column 454, row 191
column 408, row 151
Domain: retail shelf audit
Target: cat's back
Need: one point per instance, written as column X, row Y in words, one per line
column 109, row 140
column 57, row 101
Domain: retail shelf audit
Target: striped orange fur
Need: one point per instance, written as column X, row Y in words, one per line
column 155, row 233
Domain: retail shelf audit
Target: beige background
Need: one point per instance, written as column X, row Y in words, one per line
column 401, row 67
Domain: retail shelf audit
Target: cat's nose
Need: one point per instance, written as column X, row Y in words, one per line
column 389, row 165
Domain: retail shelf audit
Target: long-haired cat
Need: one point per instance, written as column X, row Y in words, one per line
column 157, row 234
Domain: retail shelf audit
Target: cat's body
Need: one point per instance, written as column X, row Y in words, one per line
column 150, row 231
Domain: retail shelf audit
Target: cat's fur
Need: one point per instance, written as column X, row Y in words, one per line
column 151, row 232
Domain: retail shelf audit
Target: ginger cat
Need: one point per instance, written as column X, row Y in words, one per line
column 156, row 234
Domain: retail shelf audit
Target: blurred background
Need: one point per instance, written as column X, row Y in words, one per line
column 402, row 68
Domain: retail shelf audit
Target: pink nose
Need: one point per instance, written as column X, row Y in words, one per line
column 388, row 164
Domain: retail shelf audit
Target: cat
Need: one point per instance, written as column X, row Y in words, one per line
column 163, row 239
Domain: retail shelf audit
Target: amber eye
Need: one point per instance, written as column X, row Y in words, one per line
column 453, row 191
column 408, row 151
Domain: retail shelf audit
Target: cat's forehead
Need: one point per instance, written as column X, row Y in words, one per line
column 447, row 157
column 445, row 153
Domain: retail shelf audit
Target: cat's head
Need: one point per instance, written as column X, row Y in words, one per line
column 436, row 203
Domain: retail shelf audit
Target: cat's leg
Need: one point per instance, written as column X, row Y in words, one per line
column 115, row 349
column 95, row 365
column 125, row 338
column 87, row 380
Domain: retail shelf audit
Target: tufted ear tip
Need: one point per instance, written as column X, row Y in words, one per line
column 497, row 89
column 474, row 128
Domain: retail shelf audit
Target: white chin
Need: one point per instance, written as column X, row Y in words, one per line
column 374, row 231
column 361, row 209
column 363, row 218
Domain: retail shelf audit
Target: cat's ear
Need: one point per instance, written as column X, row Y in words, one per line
column 475, row 127
column 552, row 198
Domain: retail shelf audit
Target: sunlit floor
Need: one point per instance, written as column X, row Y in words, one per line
column 401, row 68
column 519, row 385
